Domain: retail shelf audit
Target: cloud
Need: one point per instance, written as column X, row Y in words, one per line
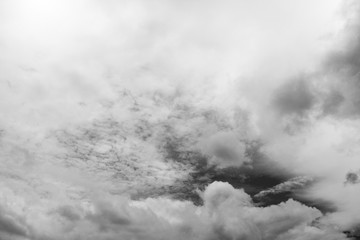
column 295, row 97
column 332, row 102
column 226, row 149
column 288, row 186
column 12, row 225
column 341, row 67
column 312, row 126
column 227, row 213
column 127, row 98
column 352, row 177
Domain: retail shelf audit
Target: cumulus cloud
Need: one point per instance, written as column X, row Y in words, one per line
column 314, row 129
column 227, row 213
column 226, row 149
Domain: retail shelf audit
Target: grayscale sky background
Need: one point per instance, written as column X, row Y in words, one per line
column 168, row 119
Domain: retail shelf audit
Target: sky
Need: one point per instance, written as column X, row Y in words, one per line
column 165, row 119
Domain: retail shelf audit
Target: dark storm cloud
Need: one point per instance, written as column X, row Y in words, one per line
column 295, row 97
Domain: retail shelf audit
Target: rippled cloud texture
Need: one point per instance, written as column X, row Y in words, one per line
column 116, row 115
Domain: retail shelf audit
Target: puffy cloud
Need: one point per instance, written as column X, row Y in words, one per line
column 226, row 149
column 325, row 150
column 219, row 194
column 227, row 213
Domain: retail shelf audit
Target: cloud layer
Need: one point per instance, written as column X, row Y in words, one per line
column 112, row 109
column 227, row 213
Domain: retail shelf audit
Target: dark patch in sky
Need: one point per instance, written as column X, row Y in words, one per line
column 100, row 141
column 294, row 97
column 354, row 233
column 347, row 61
column 321, row 204
column 12, row 225
column 261, row 174
column 332, row 102
column 68, row 212
column 105, row 217
column 352, row 177
column 344, row 64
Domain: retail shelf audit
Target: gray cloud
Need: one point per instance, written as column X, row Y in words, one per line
column 227, row 213
column 256, row 223
column 69, row 213
column 332, row 102
column 12, row 225
column 346, row 60
column 333, row 87
column 342, row 67
column 106, row 217
column 295, row 97
column 288, row 186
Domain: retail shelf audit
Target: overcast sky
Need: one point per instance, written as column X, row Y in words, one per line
column 108, row 107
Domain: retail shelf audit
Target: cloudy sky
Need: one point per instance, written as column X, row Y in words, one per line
column 179, row 119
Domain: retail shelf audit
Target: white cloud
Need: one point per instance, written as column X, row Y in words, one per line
column 227, row 213
column 291, row 185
